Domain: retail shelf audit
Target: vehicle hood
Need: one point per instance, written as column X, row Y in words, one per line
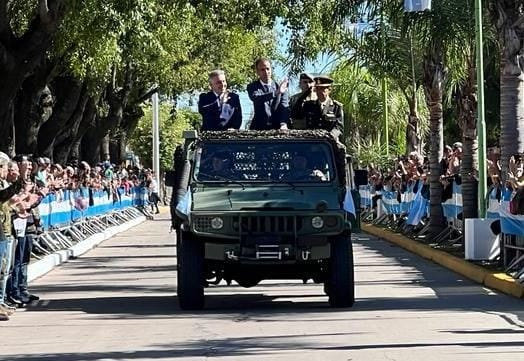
column 258, row 198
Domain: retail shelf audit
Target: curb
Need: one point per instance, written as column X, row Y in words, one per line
column 46, row 264
column 495, row 280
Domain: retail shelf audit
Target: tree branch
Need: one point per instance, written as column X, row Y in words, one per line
column 43, row 11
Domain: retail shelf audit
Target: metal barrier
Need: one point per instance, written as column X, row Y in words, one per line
column 407, row 212
column 69, row 217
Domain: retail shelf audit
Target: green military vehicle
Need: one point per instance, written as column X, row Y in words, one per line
column 256, row 205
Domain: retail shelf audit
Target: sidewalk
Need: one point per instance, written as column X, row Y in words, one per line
column 495, row 280
column 41, row 267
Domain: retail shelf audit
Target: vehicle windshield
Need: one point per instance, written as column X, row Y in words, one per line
column 271, row 161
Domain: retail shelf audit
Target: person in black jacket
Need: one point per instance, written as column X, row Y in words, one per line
column 270, row 100
column 220, row 108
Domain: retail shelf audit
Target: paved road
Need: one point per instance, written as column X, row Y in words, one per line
column 118, row 303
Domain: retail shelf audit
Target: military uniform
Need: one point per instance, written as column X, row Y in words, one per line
column 296, row 102
column 328, row 115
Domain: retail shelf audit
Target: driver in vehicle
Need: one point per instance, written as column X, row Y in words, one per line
column 216, row 167
column 301, row 171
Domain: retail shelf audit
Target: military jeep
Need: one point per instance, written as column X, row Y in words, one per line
column 256, row 205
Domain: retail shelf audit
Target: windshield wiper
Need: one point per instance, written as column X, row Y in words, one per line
column 221, row 179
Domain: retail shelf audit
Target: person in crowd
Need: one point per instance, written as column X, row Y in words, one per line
column 9, row 186
column 270, row 100
column 220, row 108
column 455, row 160
column 516, row 171
column 296, row 102
column 152, row 186
column 25, row 223
column 325, row 112
column 42, row 170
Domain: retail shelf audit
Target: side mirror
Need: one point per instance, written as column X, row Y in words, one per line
column 170, row 178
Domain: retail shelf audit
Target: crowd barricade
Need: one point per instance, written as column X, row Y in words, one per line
column 452, row 212
column 70, row 216
column 512, row 229
column 409, row 206
column 411, row 209
column 365, row 196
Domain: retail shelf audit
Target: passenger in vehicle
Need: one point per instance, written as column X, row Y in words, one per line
column 325, row 112
column 296, row 102
column 220, row 108
column 270, row 100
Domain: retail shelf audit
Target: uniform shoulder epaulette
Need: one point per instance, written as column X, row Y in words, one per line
column 337, row 103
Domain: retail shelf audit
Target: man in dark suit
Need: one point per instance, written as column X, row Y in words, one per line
column 270, row 100
column 220, row 108
column 325, row 112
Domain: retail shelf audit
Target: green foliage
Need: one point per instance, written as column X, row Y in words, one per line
column 171, row 127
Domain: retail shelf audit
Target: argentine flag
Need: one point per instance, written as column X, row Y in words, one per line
column 184, row 205
column 349, row 204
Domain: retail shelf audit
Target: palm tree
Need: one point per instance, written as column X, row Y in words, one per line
column 508, row 19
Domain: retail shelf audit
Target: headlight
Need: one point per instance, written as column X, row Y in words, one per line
column 317, row 222
column 217, row 223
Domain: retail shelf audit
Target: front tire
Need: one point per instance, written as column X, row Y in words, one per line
column 340, row 286
column 190, row 272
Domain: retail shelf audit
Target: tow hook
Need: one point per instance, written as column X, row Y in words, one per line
column 305, row 255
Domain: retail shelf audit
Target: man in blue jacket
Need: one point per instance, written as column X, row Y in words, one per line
column 270, row 100
column 220, row 108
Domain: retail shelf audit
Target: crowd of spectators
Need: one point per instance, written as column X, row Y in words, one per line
column 408, row 170
column 24, row 182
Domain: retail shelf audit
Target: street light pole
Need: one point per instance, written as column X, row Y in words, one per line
column 156, row 139
column 481, row 122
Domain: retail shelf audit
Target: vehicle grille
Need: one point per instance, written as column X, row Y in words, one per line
column 203, row 223
column 269, row 224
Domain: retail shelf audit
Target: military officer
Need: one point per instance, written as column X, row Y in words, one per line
column 296, row 102
column 325, row 112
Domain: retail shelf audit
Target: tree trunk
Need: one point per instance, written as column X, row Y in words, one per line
column 64, row 140
column 88, row 121
column 509, row 20
column 19, row 55
column 412, row 129
column 68, row 92
column 434, row 76
column 91, row 142
column 34, row 106
column 467, row 111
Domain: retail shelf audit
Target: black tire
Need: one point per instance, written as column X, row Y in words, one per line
column 190, row 272
column 341, row 283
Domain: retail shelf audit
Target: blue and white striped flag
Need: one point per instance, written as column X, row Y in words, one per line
column 184, row 205
column 349, row 204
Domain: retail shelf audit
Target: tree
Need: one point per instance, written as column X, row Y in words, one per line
column 508, row 20
column 171, row 127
